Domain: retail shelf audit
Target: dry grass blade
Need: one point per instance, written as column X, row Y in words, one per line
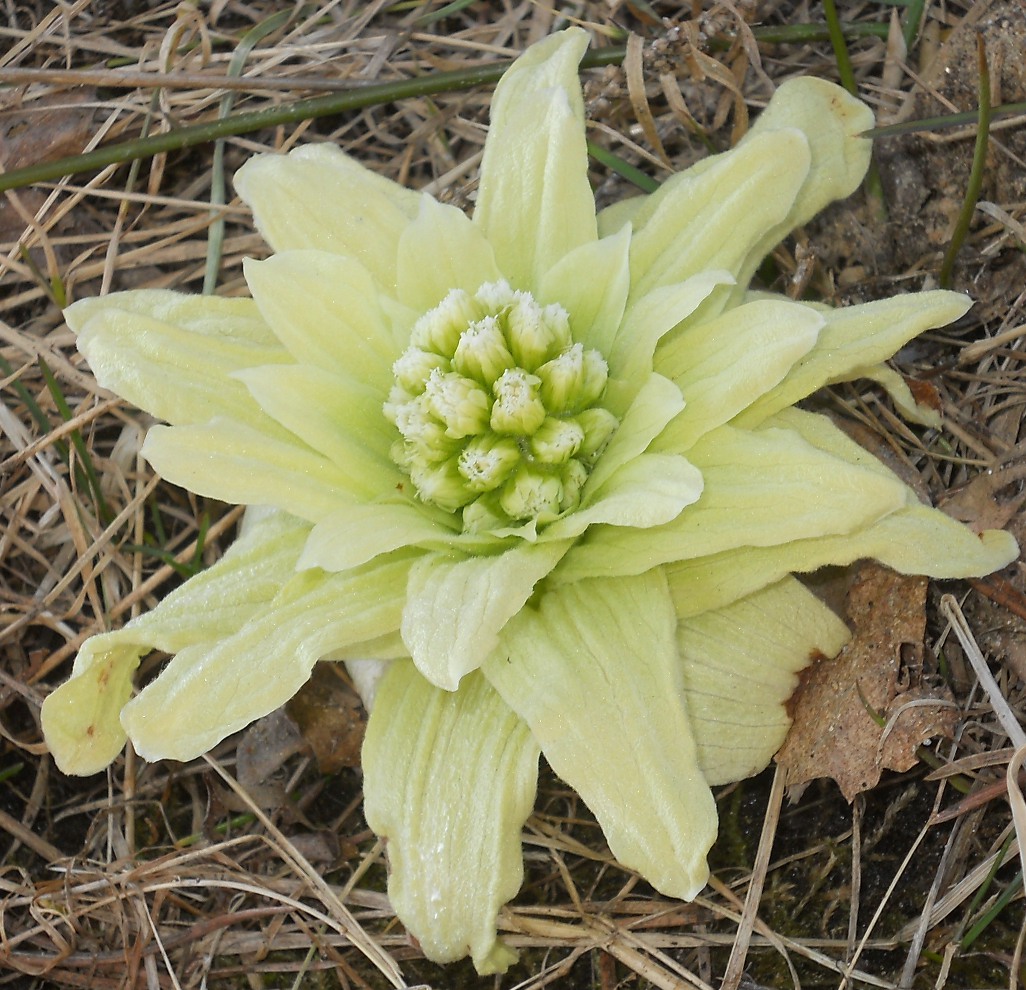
column 339, row 913
column 1009, row 722
column 735, row 965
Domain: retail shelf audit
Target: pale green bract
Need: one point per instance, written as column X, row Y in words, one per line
column 548, row 464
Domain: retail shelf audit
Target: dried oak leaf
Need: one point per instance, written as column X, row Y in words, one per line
column 44, row 129
column 834, row 734
column 40, row 131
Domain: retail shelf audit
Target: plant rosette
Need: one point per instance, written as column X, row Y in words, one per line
column 538, row 475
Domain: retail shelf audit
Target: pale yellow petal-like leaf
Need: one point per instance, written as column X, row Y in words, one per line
column 615, row 216
column 647, row 491
column 235, row 463
column 594, row 671
column 723, row 365
column 442, row 249
column 318, row 197
column 761, row 489
column 172, row 354
column 656, row 403
column 825, row 435
column 325, row 310
column 456, row 607
column 209, row 691
column 229, row 320
column 712, row 215
column 81, row 719
column 648, row 319
column 740, row 666
column 591, row 284
column 358, row 533
column 336, row 416
column 831, row 120
column 449, row 780
column 913, row 540
column 534, row 202
column 901, row 395
column 855, row 338
column 775, row 486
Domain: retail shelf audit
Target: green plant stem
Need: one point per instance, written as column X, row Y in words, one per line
column 245, row 123
column 975, row 184
column 372, row 94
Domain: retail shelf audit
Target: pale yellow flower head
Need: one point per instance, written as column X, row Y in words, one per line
column 545, row 465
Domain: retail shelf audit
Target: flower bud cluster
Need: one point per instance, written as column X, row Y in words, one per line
column 496, row 408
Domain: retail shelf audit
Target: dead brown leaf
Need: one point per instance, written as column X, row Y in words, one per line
column 991, row 500
column 47, row 128
column 330, row 718
column 326, row 718
column 40, row 131
column 262, row 752
column 834, row 734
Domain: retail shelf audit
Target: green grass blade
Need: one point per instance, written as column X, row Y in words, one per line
column 215, row 237
column 35, row 410
column 447, row 11
column 911, row 22
column 996, row 908
column 616, row 164
column 840, row 47
column 975, row 184
column 156, row 549
column 89, row 478
column 965, row 118
column 358, row 98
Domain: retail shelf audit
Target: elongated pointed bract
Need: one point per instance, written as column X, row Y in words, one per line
column 545, row 464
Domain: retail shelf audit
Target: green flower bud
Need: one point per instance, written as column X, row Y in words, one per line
column 493, row 404
column 518, row 408
column 531, row 494
column 574, row 475
column 495, row 297
column 415, row 423
column 599, row 425
column 482, row 353
column 439, row 329
column 423, row 436
column 460, row 403
column 397, row 398
column 403, row 454
column 596, row 374
column 414, row 366
column 556, row 440
column 487, row 461
column 441, row 484
column 484, row 514
column 573, row 379
column 536, row 334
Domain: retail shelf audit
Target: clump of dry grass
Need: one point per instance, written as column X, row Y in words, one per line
column 179, row 876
